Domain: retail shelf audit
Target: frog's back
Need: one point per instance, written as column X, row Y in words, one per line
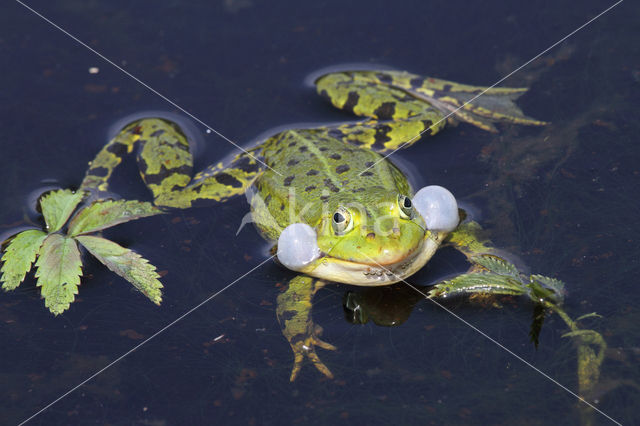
column 316, row 169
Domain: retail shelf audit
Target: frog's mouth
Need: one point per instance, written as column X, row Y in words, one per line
column 374, row 274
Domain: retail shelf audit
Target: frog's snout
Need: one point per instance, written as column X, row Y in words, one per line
column 438, row 208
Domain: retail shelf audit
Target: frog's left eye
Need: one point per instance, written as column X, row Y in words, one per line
column 341, row 221
column 406, row 207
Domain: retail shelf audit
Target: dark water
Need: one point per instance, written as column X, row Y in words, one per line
column 564, row 199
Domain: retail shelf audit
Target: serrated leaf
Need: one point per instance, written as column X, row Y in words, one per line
column 478, row 282
column 58, row 271
column 126, row 263
column 552, row 284
column 104, row 214
column 496, row 264
column 57, row 206
column 20, row 253
column 540, row 293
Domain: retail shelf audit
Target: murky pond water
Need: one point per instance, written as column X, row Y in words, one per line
column 562, row 199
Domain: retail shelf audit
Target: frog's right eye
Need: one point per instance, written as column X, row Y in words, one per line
column 341, row 221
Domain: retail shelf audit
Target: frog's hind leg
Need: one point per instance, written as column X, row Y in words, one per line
column 388, row 135
column 214, row 184
column 294, row 315
column 411, row 102
column 165, row 162
column 477, row 105
column 96, row 180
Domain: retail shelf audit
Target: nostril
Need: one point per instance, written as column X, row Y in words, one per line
column 371, row 235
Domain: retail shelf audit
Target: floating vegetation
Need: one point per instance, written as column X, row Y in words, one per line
column 493, row 275
column 57, row 258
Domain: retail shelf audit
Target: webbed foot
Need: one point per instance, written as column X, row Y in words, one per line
column 307, row 348
column 294, row 315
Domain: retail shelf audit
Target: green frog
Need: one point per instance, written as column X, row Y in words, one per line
column 334, row 206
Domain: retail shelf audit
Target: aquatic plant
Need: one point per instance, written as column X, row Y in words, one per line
column 494, row 275
column 57, row 258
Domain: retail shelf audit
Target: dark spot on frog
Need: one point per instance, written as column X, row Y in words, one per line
column 246, row 165
column 369, row 164
column 428, row 130
column 367, row 173
column 303, row 149
column 384, row 78
column 324, row 198
column 336, row 133
column 323, row 148
column 292, row 162
column 99, row 171
column 312, row 172
column 288, row 180
column 385, row 111
column 281, row 206
column 331, row 185
column 447, row 87
column 352, row 101
column 371, row 235
column 157, row 133
column 416, row 82
column 117, row 149
column 310, row 188
column 381, row 137
column 335, row 156
column 227, row 179
column 157, row 178
column 301, row 337
column 294, row 143
column 288, row 315
column 357, row 190
column 342, row 168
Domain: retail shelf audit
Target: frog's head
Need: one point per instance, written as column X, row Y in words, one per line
column 378, row 238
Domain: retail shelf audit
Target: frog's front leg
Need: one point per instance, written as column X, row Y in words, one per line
column 469, row 239
column 294, row 315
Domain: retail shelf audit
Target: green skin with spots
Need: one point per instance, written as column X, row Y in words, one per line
column 314, row 173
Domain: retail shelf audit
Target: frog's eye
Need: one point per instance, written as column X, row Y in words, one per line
column 406, row 207
column 341, row 221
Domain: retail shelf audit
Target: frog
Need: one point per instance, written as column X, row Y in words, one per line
column 333, row 205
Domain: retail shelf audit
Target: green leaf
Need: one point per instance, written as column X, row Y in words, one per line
column 540, row 293
column 126, row 263
column 589, row 315
column 20, row 253
column 57, row 206
column 59, row 269
column 104, row 214
column 552, row 284
column 478, row 282
column 496, row 264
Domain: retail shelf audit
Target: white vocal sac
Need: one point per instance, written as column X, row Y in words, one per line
column 438, row 208
column 298, row 246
